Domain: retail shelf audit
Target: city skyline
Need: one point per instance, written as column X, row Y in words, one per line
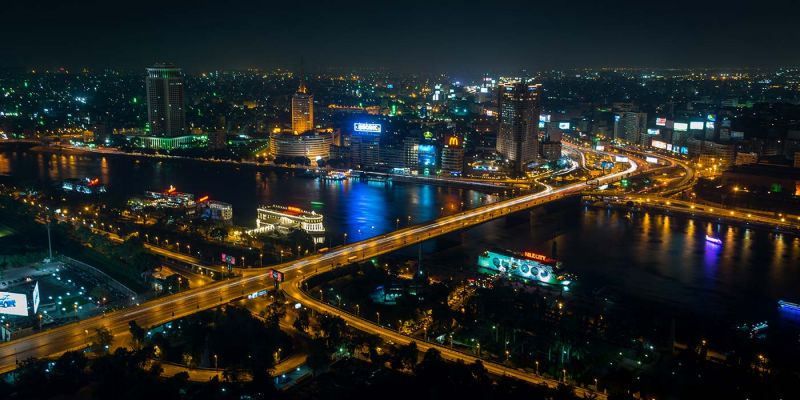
column 457, row 37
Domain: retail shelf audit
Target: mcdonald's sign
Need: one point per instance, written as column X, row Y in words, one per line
column 453, row 141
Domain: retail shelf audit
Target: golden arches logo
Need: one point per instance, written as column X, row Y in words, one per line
column 453, row 141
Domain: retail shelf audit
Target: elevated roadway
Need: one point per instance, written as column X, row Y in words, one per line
column 77, row 335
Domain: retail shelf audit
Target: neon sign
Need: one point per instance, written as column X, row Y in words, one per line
column 366, row 127
column 535, row 256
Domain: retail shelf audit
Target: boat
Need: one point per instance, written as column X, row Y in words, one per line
column 713, row 239
column 526, row 265
column 378, row 178
column 788, row 305
column 277, row 216
column 335, row 176
column 84, row 186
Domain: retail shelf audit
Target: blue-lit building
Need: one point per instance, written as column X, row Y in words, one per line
column 427, row 158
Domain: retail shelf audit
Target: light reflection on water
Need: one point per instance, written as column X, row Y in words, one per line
column 660, row 258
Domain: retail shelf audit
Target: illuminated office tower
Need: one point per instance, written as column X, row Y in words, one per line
column 517, row 136
column 453, row 156
column 631, row 127
column 302, row 110
column 165, row 104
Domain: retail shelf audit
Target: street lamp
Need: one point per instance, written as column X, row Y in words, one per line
column 537, row 367
column 216, row 362
column 261, row 260
column 378, row 313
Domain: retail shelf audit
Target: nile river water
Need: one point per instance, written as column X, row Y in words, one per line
column 658, row 258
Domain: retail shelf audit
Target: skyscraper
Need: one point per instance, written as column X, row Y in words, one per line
column 165, row 102
column 302, row 110
column 631, row 127
column 518, row 133
column 453, row 156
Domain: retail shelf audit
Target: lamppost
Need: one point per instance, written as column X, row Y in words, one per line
column 261, row 260
column 216, row 362
column 345, row 239
column 397, row 224
column 358, row 310
column 537, row 367
column 378, row 313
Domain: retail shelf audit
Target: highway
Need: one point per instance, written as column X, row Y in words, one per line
column 77, row 335
column 705, row 210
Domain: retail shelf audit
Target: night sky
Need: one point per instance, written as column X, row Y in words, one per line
column 449, row 36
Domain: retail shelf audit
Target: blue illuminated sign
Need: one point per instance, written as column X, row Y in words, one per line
column 427, row 155
column 366, row 127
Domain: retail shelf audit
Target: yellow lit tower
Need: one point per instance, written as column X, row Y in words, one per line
column 302, row 109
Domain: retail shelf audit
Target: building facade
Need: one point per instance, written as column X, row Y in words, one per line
column 518, row 133
column 453, row 156
column 312, row 145
column 302, row 110
column 365, row 151
column 165, row 101
column 631, row 127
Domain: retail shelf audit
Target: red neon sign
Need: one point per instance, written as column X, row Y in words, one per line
column 535, row 256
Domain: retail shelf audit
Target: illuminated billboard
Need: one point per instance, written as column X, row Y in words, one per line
column 13, row 304
column 709, row 125
column 696, row 125
column 563, row 125
column 661, row 121
column 658, row 144
column 600, row 147
column 528, row 265
column 35, row 297
column 544, row 117
column 681, row 126
column 277, row 275
column 651, row 131
column 228, row 259
column 366, row 127
column 651, row 160
column 621, row 159
column 427, row 155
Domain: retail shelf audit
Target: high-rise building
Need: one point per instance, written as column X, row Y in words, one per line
column 631, row 127
column 165, row 103
column 302, row 110
column 365, row 150
column 453, row 156
column 411, row 150
column 518, row 133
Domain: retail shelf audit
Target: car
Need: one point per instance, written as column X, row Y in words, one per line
column 7, row 302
